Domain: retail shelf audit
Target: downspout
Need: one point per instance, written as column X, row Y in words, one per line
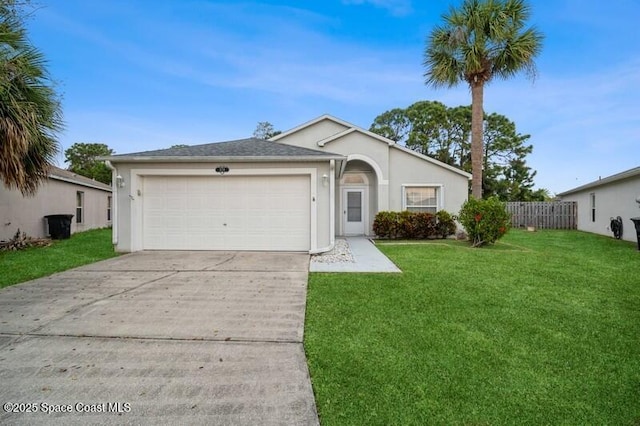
column 332, row 212
column 114, row 203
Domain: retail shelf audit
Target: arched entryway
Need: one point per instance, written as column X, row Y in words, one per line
column 357, row 199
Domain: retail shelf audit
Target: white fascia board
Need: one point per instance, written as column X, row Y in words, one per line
column 332, row 138
column 308, row 124
column 352, row 129
column 76, row 182
column 433, row 160
column 233, row 159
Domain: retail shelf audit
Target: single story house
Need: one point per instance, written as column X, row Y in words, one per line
column 607, row 198
column 295, row 192
column 63, row 192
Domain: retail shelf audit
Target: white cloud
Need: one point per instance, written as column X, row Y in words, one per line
column 282, row 64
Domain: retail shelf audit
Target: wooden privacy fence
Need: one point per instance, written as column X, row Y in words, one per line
column 544, row 215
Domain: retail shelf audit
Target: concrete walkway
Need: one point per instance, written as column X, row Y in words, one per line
column 367, row 258
column 160, row 338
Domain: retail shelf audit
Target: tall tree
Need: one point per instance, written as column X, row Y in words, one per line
column 30, row 112
column 83, row 160
column 265, row 130
column 443, row 133
column 478, row 42
column 393, row 124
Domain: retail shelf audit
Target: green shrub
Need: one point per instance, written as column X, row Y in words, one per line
column 406, row 225
column 410, row 225
column 485, row 221
column 424, row 225
column 386, row 224
column 445, row 224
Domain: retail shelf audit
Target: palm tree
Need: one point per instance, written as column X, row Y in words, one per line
column 30, row 113
column 481, row 40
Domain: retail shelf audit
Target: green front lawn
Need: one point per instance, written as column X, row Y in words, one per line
column 80, row 249
column 542, row 328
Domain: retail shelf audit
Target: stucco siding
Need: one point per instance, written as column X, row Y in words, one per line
column 53, row 197
column 131, row 196
column 612, row 200
column 409, row 169
column 361, row 145
column 308, row 137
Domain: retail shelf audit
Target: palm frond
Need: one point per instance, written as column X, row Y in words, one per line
column 30, row 112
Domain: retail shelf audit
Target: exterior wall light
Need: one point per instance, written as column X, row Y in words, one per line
column 325, row 180
column 120, row 181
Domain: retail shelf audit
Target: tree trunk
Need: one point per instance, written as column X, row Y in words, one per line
column 477, row 135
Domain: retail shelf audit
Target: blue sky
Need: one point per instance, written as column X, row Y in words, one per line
column 148, row 74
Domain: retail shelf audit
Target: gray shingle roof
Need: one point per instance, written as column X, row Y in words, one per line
column 246, row 148
column 68, row 176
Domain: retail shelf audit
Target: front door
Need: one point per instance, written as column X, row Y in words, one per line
column 353, row 211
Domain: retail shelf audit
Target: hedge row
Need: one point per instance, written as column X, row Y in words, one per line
column 410, row 225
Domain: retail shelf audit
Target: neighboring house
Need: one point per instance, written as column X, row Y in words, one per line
column 610, row 197
column 295, row 192
column 63, row 192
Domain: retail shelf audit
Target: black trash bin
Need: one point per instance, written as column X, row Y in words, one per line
column 636, row 222
column 59, row 226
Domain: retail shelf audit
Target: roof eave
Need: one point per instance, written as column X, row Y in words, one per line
column 106, row 188
column 433, row 161
column 217, row 159
column 607, row 180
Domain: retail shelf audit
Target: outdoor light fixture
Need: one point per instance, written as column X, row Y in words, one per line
column 325, row 179
column 119, row 181
column 222, row 169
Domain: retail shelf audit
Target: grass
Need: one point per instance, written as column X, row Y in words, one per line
column 80, row 249
column 542, row 328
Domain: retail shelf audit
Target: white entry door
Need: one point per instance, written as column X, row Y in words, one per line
column 354, row 211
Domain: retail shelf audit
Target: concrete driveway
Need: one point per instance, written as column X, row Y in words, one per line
column 159, row 338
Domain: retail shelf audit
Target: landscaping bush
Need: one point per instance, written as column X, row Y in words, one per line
column 386, row 224
column 406, row 225
column 445, row 224
column 410, row 225
column 485, row 221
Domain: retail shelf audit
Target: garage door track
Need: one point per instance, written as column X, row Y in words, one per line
column 159, row 338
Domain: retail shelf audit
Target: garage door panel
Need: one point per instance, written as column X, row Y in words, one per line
column 226, row 213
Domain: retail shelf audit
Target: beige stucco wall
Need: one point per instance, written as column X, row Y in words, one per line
column 409, row 169
column 389, row 168
column 130, row 202
column 308, row 137
column 53, row 197
column 612, row 200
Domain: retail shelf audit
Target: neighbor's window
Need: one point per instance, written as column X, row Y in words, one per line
column 593, row 206
column 79, row 206
column 420, row 199
column 109, row 208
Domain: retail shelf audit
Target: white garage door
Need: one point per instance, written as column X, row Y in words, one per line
column 226, row 213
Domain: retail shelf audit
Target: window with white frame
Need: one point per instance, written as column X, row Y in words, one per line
column 109, row 201
column 593, row 206
column 420, row 198
column 79, row 206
